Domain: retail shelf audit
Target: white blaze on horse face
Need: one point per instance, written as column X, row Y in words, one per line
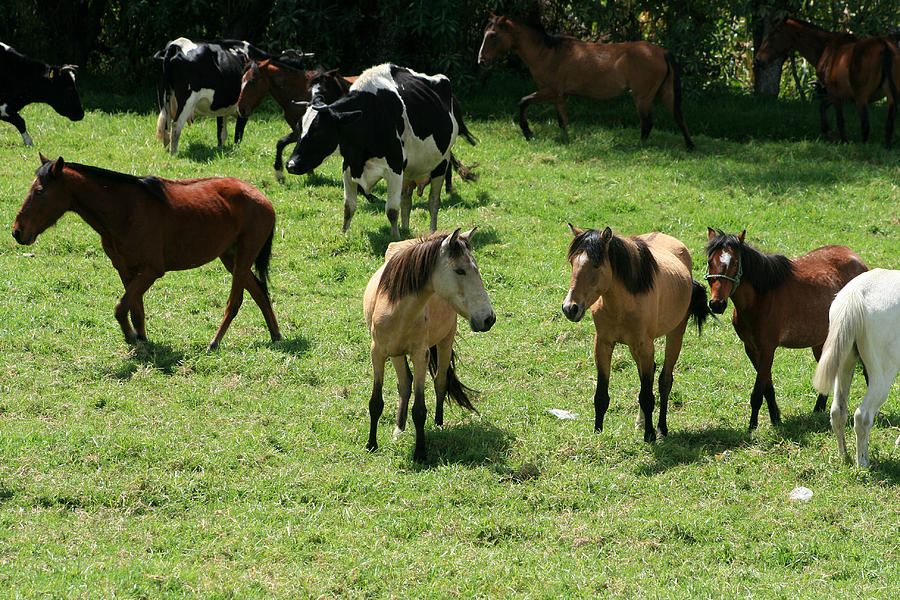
column 725, row 259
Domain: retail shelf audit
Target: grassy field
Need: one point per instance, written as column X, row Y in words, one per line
column 164, row 471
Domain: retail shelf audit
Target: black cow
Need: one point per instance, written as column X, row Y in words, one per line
column 394, row 124
column 202, row 79
column 24, row 80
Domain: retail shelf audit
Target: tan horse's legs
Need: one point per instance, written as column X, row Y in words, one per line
column 674, row 341
column 642, row 352
column 376, row 401
column 602, row 359
column 404, row 389
column 132, row 301
column 419, row 412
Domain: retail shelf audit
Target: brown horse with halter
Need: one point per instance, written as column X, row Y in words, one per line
column 850, row 69
column 566, row 66
column 288, row 85
column 638, row 289
column 778, row 302
column 149, row 225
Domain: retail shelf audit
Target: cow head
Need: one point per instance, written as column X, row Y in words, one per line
column 322, row 129
column 62, row 93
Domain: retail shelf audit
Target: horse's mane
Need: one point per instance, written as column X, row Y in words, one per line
column 149, row 183
column 534, row 22
column 629, row 258
column 408, row 270
column 765, row 272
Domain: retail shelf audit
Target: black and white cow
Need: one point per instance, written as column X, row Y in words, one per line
column 24, row 80
column 202, row 79
column 394, row 124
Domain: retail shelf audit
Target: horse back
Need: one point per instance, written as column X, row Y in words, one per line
column 854, row 69
column 604, row 70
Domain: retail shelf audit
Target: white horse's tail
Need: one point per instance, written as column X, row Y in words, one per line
column 847, row 319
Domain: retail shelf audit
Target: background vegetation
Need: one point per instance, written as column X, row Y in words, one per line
column 164, row 471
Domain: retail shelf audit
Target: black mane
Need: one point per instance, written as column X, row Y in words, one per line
column 408, row 270
column 764, row 272
column 630, row 259
column 149, row 183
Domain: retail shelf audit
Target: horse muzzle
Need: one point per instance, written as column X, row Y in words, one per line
column 22, row 238
column 718, row 306
column 484, row 323
column 573, row 311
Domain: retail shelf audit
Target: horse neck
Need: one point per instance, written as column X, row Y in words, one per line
column 408, row 308
column 106, row 211
column 290, row 91
column 529, row 44
column 811, row 43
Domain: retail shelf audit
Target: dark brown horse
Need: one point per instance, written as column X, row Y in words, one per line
column 288, row 86
column 778, row 302
column 149, row 225
column 566, row 66
column 851, row 70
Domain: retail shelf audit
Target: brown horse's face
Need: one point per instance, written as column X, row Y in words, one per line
column 723, row 272
column 496, row 42
column 589, row 281
column 777, row 42
column 46, row 202
column 254, row 87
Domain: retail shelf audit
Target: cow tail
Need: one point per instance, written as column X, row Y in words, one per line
column 166, row 100
column 467, row 173
column 262, row 263
column 455, row 389
column 698, row 308
column 463, row 130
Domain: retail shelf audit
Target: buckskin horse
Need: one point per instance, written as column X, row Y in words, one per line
column 566, row 66
column 149, row 225
column 850, row 69
column 638, row 289
column 778, row 302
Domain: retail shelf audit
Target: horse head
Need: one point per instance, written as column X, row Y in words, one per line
column 254, row 87
column 591, row 270
column 497, row 40
column 46, row 202
column 456, row 279
column 724, row 267
column 776, row 43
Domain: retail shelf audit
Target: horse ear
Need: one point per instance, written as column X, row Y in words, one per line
column 575, row 231
column 57, row 167
column 606, row 235
column 741, row 236
column 450, row 239
column 710, row 233
column 44, row 159
column 467, row 235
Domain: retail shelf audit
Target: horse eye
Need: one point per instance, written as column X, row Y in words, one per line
column 459, row 271
column 38, row 191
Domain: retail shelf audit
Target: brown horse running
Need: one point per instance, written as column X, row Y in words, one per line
column 638, row 288
column 851, row 70
column 566, row 66
column 410, row 307
column 778, row 302
column 149, row 225
column 288, row 85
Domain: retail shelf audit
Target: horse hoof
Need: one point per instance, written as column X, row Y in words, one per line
column 371, row 446
column 419, row 456
column 650, row 436
column 277, row 337
column 662, row 432
column 213, row 345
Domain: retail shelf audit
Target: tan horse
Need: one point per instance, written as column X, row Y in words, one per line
column 638, row 289
column 566, row 66
column 410, row 306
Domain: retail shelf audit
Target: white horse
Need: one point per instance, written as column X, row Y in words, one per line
column 864, row 322
column 410, row 306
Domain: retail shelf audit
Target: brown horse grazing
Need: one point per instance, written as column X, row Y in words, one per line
column 288, row 85
column 410, row 306
column 853, row 70
column 566, row 66
column 149, row 225
column 638, row 288
column 777, row 302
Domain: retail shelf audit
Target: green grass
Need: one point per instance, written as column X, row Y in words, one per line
column 165, row 471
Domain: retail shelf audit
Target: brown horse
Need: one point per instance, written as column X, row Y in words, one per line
column 638, row 289
column 149, row 225
column 410, row 307
column 852, row 70
column 777, row 302
column 288, row 86
column 566, row 66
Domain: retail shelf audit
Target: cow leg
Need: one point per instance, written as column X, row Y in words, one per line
column 183, row 114
column 18, row 122
column 349, row 199
column 240, row 123
column 279, row 151
column 406, row 203
column 394, row 183
column 222, row 130
column 434, row 191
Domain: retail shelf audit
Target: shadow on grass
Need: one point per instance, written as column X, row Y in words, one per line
column 685, row 447
column 298, row 345
column 886, row 471
column 201, row 153
column 379, row 240
column 798, row 428
column 474, row 443
column 159, row 356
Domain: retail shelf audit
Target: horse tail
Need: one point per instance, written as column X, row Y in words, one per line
column 463, row 130
column 675, row 72
column 699, row 308
column 846, row 324
column 467, row 173
column 262, row 263
column 455, row 389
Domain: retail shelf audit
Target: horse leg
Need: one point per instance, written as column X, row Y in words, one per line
column 239, row 124
column 562, row 118
column 259, row 296
column 839, row 115
column 863, row 111
column 444, row 353
column 132, row 302
column 864, row 417
column 642, row 352
column 820, row 399
column 667, row 98
column 839, row 403
column 545, row 95
column 889, row 123
column 666, row 376
column 406, row 203
column 404, row 389
column 602, row 359
column 19, row 123
column 823, row 117
column 644, row 108
column 419, row 412
column 349, row 199
column 376, row 401
column 279, row 151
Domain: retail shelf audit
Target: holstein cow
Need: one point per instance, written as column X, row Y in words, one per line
column 202, row 79
column 24, row 80
column 394, row 124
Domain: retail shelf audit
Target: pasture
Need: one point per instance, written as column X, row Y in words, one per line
column 166, row 471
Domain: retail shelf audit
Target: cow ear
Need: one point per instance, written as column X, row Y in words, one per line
column 575, row 231
column 606, row 235
column 346, row 118
column 741, row 236
column 57, row 167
